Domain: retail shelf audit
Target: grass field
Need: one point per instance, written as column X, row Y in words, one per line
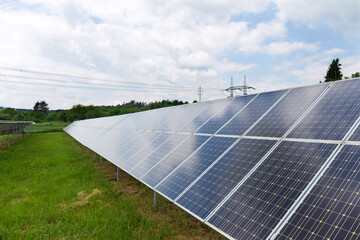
column 52, row 189
column 47, row 127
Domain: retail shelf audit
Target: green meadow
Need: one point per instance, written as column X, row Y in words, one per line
column 51, row 188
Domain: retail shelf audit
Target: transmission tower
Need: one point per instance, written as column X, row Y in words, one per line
column 200, row 91
column 243, row 88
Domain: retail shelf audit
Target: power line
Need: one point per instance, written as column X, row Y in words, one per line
column 85, row 83
column 96, row 79
column 94, row 88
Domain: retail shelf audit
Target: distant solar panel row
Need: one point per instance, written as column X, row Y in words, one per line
column 273, row 165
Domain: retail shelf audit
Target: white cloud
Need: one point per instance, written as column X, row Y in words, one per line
column 343, row 16
column 181, row 43
column 350, row 65
column 278, row 48
column 196, row 60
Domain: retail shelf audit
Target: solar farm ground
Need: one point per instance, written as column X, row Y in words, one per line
column 51, row 188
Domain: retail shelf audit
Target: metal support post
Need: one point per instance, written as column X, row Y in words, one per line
column 8, row 133
column 94, row 155
column 87, row 149
column 155, row 205
column 100, row 159
column 117, row 173
column 16, row 135
column 13, row 137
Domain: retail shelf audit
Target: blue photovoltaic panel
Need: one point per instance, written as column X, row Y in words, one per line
column 219, row 119
column 332, row 208
column 125, row 141
column 133, row 121
column 279, row 120
column 251, row 113
column 211, row 188
column 263, row 199
column 138, row 144
column 179, row 116
column 158, row 172
column 356, row 135
column 212, row 108
column 159, row 153
column 147, row 150
column 179, row 180
column 333, row 115
column 106, row 146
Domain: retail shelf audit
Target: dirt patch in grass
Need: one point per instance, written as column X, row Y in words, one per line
column 81, row 200
column 19, row 200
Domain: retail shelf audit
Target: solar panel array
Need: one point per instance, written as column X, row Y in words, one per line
column 274, row 165
column 13, row 128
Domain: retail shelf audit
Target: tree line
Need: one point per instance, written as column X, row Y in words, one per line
column 40, row 111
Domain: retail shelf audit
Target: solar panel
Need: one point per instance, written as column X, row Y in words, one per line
column 158, row 172
column 145, row 151
column 135, row 145
column 287, row 111
column 203, row 196
column 332, row 209
column 166, row 148
column 248, row 185
column 220, row 118
column 178, row 181
column 111, row 149
column 262, row 200
column 247, row 117
column 212, row 108
column 88, row 131
column 177, row 117
column 333, row 115
column 356, row 135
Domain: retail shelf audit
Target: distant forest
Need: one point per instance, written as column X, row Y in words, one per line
column 80, row 112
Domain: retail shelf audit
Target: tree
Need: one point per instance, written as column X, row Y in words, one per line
column 9, row 111
column 355, row 75
column 334, row 71
column 41, row 107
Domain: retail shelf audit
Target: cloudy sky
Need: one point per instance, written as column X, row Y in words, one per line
column 107, row 52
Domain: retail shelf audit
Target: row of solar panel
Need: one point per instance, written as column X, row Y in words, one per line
column 10, row 127
column 199, row 178
column 243, row 187
column 270, row 114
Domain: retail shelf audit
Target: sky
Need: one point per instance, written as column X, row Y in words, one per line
column 109, row 52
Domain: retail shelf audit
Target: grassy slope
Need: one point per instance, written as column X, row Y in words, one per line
column 50, row 189
column 46, row 127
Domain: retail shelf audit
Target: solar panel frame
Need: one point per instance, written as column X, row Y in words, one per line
column 157, row 155
column 279, row 120
column 213, row 108
column 327, row 188
column 246, row 124
column 145, row 151
column 225, row 166
column 165, row 166
column 314, row 181
column 319, row 118
column 197, row 164
column 264, row 208
column 218, row 120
